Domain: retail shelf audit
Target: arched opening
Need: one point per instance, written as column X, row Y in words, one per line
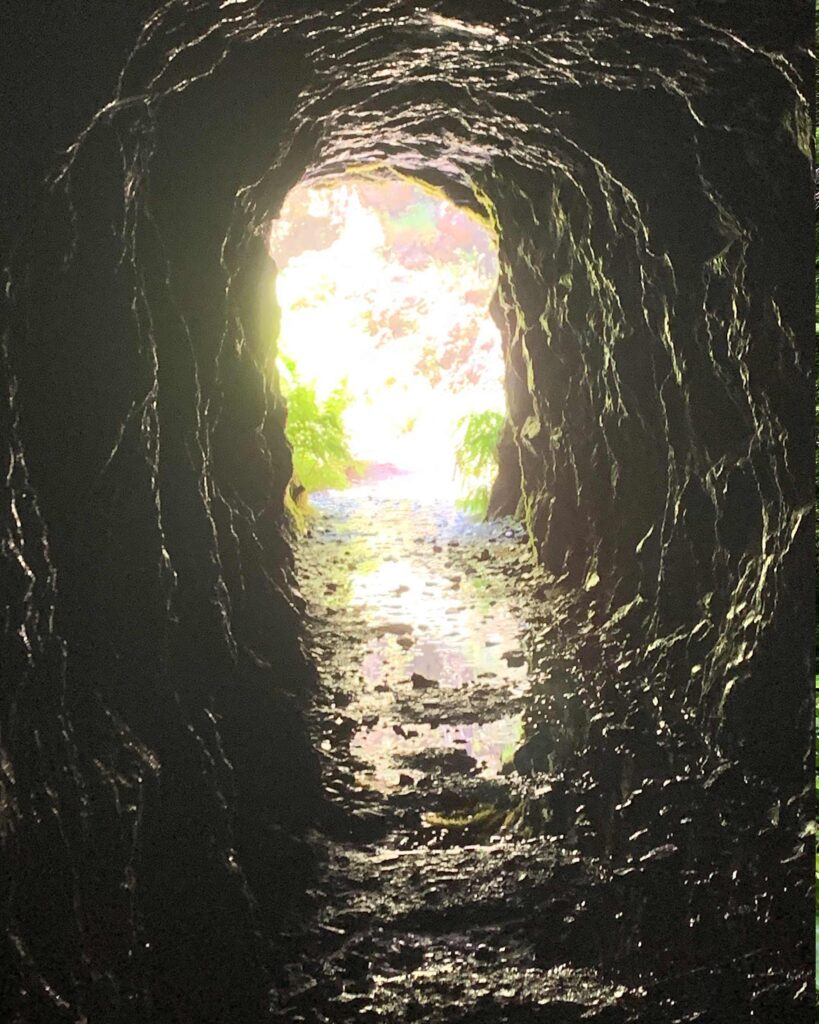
column 389, row 360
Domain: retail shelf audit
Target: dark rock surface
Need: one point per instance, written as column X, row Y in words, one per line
column 648, row 172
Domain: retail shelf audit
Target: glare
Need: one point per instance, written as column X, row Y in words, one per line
column 385, row 285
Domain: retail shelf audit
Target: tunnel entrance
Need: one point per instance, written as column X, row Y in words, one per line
column 389, row 361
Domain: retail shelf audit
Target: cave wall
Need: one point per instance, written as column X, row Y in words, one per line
column 666, row 451
column 648, row 172
column 158, row 781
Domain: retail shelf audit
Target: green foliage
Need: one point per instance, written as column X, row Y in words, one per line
column 315, row 429
column 476, row 458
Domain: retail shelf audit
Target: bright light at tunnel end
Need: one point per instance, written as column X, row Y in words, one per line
column 385, row 285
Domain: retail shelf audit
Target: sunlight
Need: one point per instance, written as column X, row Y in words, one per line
column 384, row 287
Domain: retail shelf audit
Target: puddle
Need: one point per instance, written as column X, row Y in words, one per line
column 425, row 623
column 392, row 755
column 449, row 661
column 441, row 671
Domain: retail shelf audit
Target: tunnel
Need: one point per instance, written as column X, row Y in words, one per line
column 173, row 837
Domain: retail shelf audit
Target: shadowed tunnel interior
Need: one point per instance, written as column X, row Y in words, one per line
column 646, row 168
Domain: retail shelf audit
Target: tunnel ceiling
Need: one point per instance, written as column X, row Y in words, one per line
column 647, row 168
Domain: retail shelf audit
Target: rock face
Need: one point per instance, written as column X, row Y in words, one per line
column 648, row 173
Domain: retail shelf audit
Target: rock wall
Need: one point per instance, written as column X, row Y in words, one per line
column 648, row 171
column 157, row 777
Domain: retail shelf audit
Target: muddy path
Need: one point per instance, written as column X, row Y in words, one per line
column 469, row 873
column 442, row 900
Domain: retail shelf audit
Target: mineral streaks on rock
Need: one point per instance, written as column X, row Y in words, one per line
column 647, row 171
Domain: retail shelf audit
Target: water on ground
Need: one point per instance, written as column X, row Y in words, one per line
column 442, row 902
column 512, row 831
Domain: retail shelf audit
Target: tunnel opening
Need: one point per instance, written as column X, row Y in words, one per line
column 390, row 363
column 185, row 741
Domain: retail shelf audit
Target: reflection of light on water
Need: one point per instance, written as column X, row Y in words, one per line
column 491, row 744
column 420, row 607
column 394, row 587
column 446, row 664
column 431, row 616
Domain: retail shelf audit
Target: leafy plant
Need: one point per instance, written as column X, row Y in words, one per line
column 476, row 458
column 315, row 429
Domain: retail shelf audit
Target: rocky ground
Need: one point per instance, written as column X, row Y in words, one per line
column 468, row 875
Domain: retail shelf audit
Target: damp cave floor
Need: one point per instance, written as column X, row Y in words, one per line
column 445, row 901
column 457, row 883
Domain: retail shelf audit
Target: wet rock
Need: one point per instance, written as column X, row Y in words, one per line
column 342, row 726
column 458, row 761
column 414, row 1010
column 355, row 965
column 368, row 825
column 660, row 853
column 532, row 755
column 393, row 629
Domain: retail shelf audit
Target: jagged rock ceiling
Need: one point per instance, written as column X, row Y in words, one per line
column 647, row 167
